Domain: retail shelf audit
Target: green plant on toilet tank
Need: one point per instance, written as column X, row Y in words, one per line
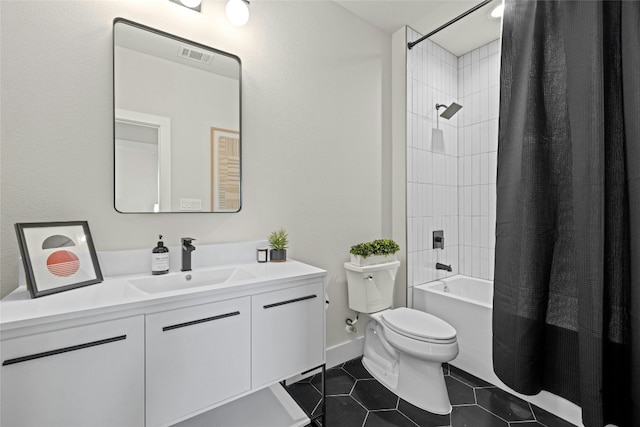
column 374, row 252
column 278, row 240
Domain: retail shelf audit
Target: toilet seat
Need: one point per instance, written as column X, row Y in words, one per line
column 419, row 325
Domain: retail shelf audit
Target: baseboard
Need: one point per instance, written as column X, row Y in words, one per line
column 336, row 355
column 346, row 351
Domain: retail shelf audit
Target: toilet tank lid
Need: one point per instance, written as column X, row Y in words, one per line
column 418, row 324
column 372, row 268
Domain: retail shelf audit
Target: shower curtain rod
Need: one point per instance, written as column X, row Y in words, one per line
column 410, row 45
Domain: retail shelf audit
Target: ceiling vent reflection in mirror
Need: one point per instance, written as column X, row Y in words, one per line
column 189, row 4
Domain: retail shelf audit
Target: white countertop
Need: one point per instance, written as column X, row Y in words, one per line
column 116, row 294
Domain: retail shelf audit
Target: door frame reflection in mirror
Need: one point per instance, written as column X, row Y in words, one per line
column 163, row 127
column 219, row 116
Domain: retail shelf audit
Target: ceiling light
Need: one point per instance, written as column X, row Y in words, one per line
column 497, row 12
column 238, row 11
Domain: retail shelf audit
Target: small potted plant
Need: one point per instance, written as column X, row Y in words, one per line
column 278, row 240
column 374, row 252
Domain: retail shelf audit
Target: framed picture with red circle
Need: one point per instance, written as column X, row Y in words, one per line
column 57, row 256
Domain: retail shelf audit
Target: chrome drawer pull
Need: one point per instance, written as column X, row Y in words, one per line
column 62, row 350
column 289, row 301
column 195, row 322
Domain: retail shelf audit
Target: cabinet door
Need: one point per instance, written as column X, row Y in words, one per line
column 287, row 331
column 90, row 375
column 196, row 357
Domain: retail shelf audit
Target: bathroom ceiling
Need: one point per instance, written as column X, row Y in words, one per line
column 425, row 16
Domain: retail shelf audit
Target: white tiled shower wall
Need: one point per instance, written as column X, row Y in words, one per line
column 451, row 188
column 432, row 171
column 479, row 93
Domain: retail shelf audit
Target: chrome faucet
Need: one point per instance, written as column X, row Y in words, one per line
column 187, row 248
column 443, row 267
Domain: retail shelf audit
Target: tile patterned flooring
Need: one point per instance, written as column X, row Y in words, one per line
column 355, row 399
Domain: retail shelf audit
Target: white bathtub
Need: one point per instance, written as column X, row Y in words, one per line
column 468, row 308
column 466, row 303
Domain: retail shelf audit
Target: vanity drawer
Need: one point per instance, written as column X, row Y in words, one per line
column 196, row 357
column 287, row 332
column 91, row 375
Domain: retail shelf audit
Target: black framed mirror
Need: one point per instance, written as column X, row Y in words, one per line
column 177, row 123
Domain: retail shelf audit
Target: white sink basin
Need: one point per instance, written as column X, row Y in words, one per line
column 189, row 279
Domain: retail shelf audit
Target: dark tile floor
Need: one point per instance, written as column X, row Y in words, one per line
column 355, row 399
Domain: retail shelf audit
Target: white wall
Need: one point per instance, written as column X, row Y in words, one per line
column 316, row 90
column 398, row 159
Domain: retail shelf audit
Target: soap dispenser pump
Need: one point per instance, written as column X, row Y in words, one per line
column 160, row 258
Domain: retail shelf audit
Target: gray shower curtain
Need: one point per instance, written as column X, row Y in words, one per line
column 567, row 271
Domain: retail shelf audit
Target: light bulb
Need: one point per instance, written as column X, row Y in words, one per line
column 237, row 12
column 497, row 11
column 191, row 3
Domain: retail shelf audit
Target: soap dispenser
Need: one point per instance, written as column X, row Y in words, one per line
column 160, row 258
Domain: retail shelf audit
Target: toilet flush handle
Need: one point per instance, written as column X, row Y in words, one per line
column 369, row 277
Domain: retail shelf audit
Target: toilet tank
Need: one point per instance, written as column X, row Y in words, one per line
column 371, row 287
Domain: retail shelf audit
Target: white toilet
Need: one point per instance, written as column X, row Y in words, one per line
column 403, row 348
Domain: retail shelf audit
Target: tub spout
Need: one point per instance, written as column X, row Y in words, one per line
column 443, row 267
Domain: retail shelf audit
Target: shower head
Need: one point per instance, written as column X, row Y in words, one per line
column 450, row 111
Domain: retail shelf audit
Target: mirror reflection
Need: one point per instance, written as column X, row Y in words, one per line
column 177, row 124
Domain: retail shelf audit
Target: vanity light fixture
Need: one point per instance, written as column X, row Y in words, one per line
column 497, row 12
column 238, row 12
column 190, row 4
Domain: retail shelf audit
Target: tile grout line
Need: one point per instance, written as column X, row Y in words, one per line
column 359, row 403
column 365, row 417
column 407, row 417
column 515, row 421
column 534, row 414
column 353, row 386
column 316, row 407
column 348, row 373
column 495, row 415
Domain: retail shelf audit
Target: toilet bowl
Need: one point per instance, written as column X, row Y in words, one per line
column 404, row 349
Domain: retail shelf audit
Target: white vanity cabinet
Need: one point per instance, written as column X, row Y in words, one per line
column 196, row 357
column 89, row 375
column 114, row 355
column 287, row 332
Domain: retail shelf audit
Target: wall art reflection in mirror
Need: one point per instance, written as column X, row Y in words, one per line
column 177, row 129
